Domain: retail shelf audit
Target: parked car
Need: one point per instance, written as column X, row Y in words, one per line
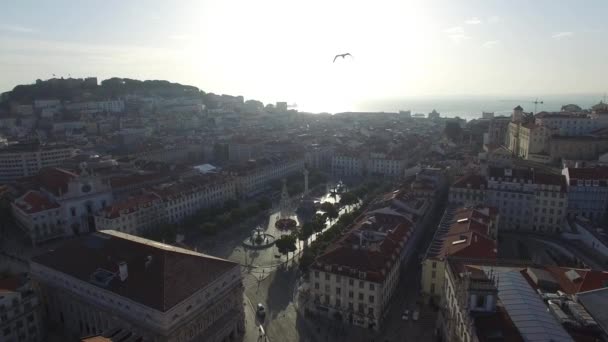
column 406, row 315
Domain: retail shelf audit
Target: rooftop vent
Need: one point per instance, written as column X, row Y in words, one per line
column 573, row 275
column 102, row 277
column 123, row 271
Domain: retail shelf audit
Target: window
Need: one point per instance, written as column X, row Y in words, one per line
column 316, row 286
column 434, row 264
column 361, row 308
column 361, row 284
column 350, row 294
column 351, row 282
column 481, row 301
column 433, row 274
column 432, row 288
column 338, row 291
column 316, row 274
column 370, row 310
column 327, row 276
column 327, row 289
column 371, row 299
column 372, row 287
column 361, row 296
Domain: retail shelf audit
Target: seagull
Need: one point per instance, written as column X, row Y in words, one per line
column 342, row 55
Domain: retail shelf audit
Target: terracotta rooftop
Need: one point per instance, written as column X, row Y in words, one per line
column 55, row 179
column 536, row 177
column 466, row 234
column 589, row 173
column 172, row 275
column 130, row 205
column 33, row 202
column 476, row 181
column 346, row 257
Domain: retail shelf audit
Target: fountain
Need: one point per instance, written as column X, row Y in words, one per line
column 259, row 239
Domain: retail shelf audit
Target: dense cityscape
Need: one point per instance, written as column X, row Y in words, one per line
column 153, row 211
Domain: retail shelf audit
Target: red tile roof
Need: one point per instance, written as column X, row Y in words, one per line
column 599, row 173
column 589, row 279
column 348, row 258
column 469, row 238
column 55, row 179
column 476, row 181
column 130, row 205
column 173, row 274
column 33, row 202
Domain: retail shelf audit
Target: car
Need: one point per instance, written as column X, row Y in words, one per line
column 406, row 315
column 415, row 315
column 261, row 311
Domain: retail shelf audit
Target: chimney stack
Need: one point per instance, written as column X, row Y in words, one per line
column 123, row 271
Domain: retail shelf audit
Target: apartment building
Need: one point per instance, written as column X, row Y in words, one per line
column 587, row 192
column 156, row 291
column 464, row 232
column 133, row 215
column 169, row 202
column 353, row 163
column 256, row 175
column 526, row 199
column 26, row 159
column 497, row 130
column 347, row 164
column 381, row 164
column 20, row 311
column 568, row 123
column 355, row 279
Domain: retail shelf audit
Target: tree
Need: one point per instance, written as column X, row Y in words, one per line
column 265, row 203
column 318, row 223
column 306, row 232
column 348, row 198
column 286, row 244
column 331, row 212
column 209, row 228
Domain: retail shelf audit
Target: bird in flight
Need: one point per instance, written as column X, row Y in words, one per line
column 342, row 55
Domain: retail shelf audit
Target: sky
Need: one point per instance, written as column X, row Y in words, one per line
column 282, row 50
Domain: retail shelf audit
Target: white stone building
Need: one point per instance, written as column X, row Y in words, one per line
column 26, row 159
column 64, row 204
column 526, row 199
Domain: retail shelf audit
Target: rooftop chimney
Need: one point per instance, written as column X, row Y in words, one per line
column 123, row 271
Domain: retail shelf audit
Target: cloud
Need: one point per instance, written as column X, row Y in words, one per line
column 456, row 34
column 491, row 43
column 454, row 30
column 17, row 29
column 180, row 37
column 473, row 21
column 561, row 35
column 494, row 19
column 457, row 38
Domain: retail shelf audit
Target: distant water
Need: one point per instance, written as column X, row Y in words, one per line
column 472, row 107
